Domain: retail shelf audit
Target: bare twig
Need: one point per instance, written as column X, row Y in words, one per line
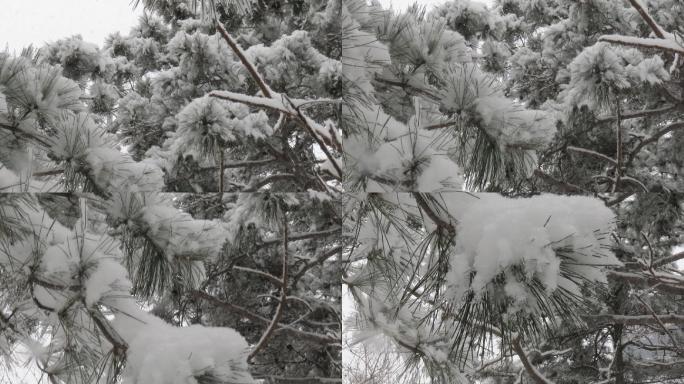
column 656, row 317
column 265, row 275
column 221, row 169
column 618, row 140
column 534, row 373
column 638, row 319
column 638, row 114
column 592, row 153
column 565, row 186
column 647, row 18
column 313, row 337
column 51, row 172
column 283, row 294
column 320, row 259
column 654, row 138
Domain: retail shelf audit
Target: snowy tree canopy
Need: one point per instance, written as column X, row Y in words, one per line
column 493, row 190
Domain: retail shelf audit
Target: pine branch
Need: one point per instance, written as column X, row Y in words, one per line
column 565, row 186
column 646, row 43
column 265, row 89
column 242, row 164
column 120, row 345
column 319, row 260
column 668, row 259
column 407, row 87
column 657, row 29
column 303, row 380
column 28, row 135
column 305, row 235
column 534, row 373
column 221, row 169
column 618, row 143
column 592, row 153
column 638, row 319
column 283, row 294
column 51, row 172
column 647, row 280
column 425, row 207
column 267, row 180
column 265, row 275
column 660, row 322
column 270, row 100
column 313, row 337
column 440, row 125
column 654, row 138
column 638, row 114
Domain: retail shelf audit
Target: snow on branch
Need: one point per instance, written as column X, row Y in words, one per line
column 324, row 136
column 642, row 42
column 255, row 101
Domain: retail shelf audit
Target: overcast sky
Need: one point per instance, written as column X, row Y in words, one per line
column 24, row 22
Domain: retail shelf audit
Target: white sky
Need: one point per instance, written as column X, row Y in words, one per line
column 24, row 22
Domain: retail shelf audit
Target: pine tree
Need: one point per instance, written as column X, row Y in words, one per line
column 511, row 278
column 125, row 282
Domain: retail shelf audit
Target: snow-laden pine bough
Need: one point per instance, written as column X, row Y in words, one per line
column 426, row 113
column 420, row 114
column 448, row 275
column 127, row 288
column 142, row 107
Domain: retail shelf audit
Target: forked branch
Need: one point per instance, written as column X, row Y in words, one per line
column 283, row 294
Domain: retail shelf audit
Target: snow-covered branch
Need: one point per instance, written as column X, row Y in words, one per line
column 643, row 42
column 281, row 103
